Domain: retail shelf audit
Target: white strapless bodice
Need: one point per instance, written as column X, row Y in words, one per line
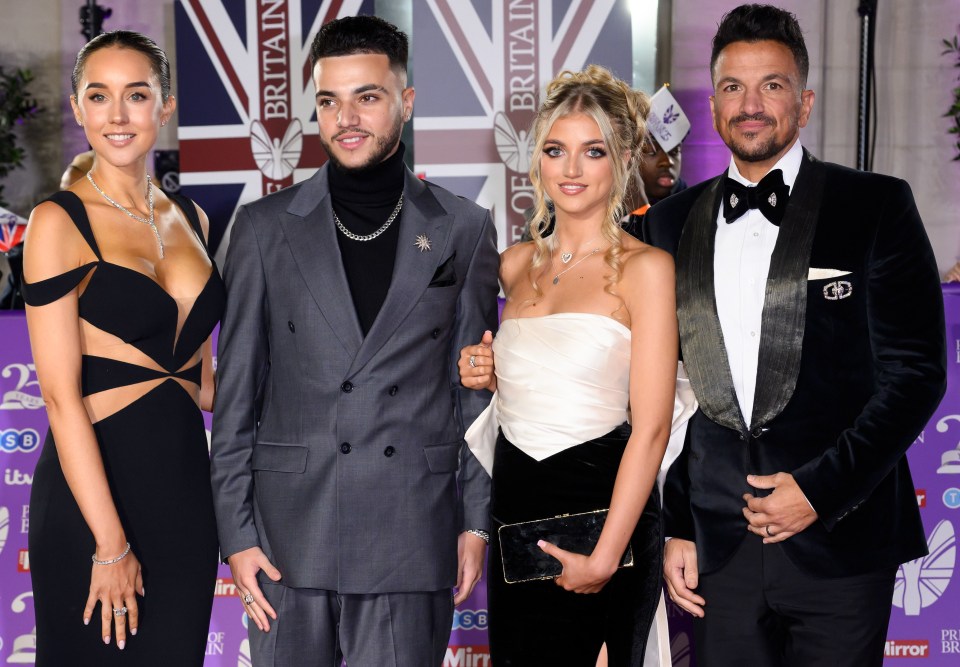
column 562, row 379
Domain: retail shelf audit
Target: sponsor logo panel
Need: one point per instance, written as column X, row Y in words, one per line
column 467, row 656
column 906, row 648
column 950, row 640
column 23, row 561
column 15, row 477
column 19, row 440
column 470, row 619
column 25, row 394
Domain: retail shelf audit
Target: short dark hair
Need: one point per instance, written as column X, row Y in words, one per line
column 126, row 39
column 757, row 23
column 351, row 35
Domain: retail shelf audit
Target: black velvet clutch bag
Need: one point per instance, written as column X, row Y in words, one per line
column 523, row 560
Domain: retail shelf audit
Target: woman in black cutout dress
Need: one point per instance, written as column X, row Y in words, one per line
column 123, row 476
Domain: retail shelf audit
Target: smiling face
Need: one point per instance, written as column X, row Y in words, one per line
column 362, row 103
column 758, row 104
column 119, row 104
column 575, row 168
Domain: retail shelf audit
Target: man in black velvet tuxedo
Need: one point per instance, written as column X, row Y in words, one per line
column 811, row 326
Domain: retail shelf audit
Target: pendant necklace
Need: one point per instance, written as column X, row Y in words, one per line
column 151, row 221
column 556, row 278
column 565, row 257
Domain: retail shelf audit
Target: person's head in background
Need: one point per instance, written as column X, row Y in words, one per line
column 659, row 169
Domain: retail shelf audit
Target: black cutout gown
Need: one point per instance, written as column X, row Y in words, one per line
column 156, row 459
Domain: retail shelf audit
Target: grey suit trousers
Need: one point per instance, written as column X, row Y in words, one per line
column 319, row 628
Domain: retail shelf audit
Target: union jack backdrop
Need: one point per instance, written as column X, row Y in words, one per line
column 12, row 227
column 247, row 122
column 479, row 70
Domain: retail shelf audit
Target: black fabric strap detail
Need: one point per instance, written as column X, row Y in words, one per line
column 190, row 210
column 49, row 290
column 73, row 205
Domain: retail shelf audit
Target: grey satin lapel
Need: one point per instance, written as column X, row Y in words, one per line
column 701, row 338
column 311, row 234
column 785, row 300
column 413, row 268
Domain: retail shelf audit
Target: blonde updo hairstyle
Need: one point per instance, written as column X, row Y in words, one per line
column 620, row 112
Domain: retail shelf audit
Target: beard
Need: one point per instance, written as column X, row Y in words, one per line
column 384, row 146
column 763, row 151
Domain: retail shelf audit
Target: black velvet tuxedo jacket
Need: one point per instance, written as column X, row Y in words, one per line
column 851, row 367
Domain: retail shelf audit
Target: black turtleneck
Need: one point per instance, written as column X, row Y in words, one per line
column 363, row 201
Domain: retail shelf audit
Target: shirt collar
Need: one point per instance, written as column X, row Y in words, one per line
column 789, row 164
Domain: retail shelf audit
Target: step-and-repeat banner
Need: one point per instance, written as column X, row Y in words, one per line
column 924, row 626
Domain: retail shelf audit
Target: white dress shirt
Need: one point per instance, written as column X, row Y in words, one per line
column 741, row 262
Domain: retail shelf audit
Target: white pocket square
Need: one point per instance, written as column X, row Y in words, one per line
column 823, row 274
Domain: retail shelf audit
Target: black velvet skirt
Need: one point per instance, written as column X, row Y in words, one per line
column 539, row 623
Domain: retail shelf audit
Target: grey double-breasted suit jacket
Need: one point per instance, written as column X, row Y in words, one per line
column 342, row 456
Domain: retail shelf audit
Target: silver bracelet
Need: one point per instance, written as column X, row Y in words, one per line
column 482, row 534
column 111, row 561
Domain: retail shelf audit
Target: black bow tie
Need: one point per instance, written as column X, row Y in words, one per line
column 770, row 196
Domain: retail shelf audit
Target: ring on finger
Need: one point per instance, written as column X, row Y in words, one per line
column 248, row 598
column 767, row 529
column 119, row 611
column 473, row 361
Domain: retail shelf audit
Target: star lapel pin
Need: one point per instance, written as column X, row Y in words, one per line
column 422, row 243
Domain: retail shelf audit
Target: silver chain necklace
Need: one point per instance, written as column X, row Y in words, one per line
column 147, row 221
column 556, row 278
column 369, row 237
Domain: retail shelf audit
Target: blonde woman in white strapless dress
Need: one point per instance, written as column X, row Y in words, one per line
column 588, row 343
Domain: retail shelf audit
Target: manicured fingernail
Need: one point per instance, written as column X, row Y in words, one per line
column 86, row 621
column 540, row 543
column 106, row 639
column 121, row 644
column 133, row 631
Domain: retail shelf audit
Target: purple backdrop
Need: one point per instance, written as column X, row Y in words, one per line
column 923, row 625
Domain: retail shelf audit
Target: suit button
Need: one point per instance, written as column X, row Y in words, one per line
column 346, row 387
column 345, row 447
column 757, row 432
column 743, row 437
column 393, row 390
column 388, row 452
column 435, row 333
column 291, row 327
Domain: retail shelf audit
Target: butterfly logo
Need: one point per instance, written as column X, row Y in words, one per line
column 514, row 148
column 243, row 658
column 670, row 115
column 276, row 158
column 921, row 582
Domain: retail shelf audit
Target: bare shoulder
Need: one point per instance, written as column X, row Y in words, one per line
column 52, row 243
column 50, row 223
column 643, row 262
column 514, row 262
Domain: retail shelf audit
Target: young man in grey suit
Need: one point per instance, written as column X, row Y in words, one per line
column 347, row 503
column 811, row 325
